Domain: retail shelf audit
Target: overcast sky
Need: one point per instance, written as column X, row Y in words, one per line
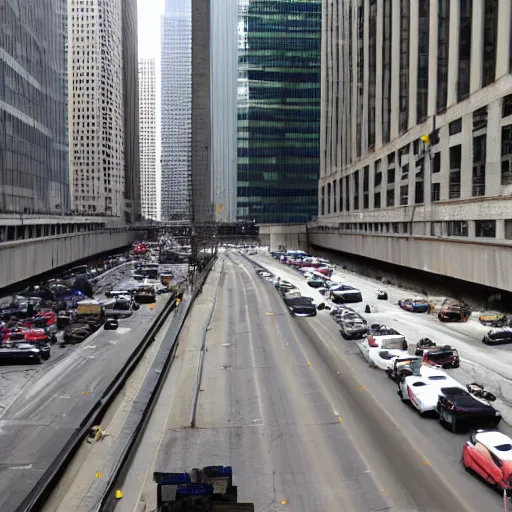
column 149, row 12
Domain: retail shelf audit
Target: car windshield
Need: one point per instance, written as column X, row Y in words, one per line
column 504, row 447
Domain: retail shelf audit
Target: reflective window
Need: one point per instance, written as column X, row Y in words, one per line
column 479, row 152
column 378, row 173
column 404, row 195
column 341, row 195
column 457, row 228
column 390, row 197
column 386, row 70
column 435, row 192
column 328, row 198
column 334, row 202
column 360, row 78
column 490, row 40
column 443, row 42
column 455, row 163
column 404, row 65
column 372, row 63
column 485, row 228
column 356, row 190
column 464, row 49
column 422, row 87
column 455, row 126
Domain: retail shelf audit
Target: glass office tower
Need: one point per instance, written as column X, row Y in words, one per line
column 279, row 110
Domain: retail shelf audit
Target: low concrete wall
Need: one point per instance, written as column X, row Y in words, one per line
column 24, row 259
column 482, row 263
column 290, row 236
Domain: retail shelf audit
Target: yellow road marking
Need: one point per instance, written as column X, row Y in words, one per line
column 284, row 502
column 269, row 314
column 309, row 363
column 98, row 474
column 85, row 392
column 426, row 462
column 339, row 419
column 384, row 491
column 363, row 388
column 152, row 306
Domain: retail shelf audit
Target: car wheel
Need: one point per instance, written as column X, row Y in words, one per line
column 39, row 360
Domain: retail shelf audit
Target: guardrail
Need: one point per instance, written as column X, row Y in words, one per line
column 41, row 491
column 101, row 495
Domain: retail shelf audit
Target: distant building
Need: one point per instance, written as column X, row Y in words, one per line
column 34, row 176
column 103, row 109
column 147, row 122
column 279, row 110
column 416, row 131
column 176, row 110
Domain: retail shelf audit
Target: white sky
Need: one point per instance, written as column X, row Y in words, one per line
column 149, row 12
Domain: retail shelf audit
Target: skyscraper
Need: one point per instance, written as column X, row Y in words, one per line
column 176, row 110
column 96, row 105
column 279, row 110
column 147, row 120
column 33, row 134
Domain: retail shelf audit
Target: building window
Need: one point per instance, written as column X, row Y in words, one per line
column 508, row 229
column 455, row 162
column 372, row 63
column 323, row 201
column 490, row 40
column 506, row 155
column 506, row 106
column 394, row 227
column 390, row 197
column 419, row 194
column 436, row 164
column 347, row 193
column 479, row 146
column 391, row 176
column 435, row 194
column 386, row 70
column 466, row 7
column 378, row 173
column 457, row 228
column 485, row 228
column 404, row 65
column 341, row 195
column 366, row 185
column 391, row 159
column 422, row 85
column 334, row 202
column 360, row 78
column 356, row 190
column 404, row 195
column 376, row 200
column 455, row 126
column 480, row 119
column 405, row 171
column 443, row 42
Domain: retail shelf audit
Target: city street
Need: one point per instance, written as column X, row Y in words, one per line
column 297, row 412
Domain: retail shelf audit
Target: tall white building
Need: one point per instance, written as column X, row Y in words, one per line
column 101, row 48
column 176, row 109
column 147, row 122
column 416, row 135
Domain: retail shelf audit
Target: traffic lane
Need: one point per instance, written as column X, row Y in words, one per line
column 440, row 449
column 37, row 425
column 394, row 462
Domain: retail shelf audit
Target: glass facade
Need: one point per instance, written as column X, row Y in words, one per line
column 33, row 118
column 279, row 110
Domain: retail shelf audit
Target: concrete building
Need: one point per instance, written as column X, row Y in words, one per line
column 224, row 71
column 176, row 110
column 416, row 135
column 132, row 206
column 96, row 106
column 279, row 110
column 34, row 175
column 147, row 121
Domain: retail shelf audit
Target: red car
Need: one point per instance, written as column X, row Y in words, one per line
column 445, row 357
column 489, row 454
column 140, row 249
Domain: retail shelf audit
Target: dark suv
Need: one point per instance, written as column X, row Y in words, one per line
column 498, row 335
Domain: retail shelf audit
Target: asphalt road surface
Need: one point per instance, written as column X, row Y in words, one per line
column 40, row 418
column 303, row 420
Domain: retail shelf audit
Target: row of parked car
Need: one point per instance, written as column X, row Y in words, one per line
column 422, row 382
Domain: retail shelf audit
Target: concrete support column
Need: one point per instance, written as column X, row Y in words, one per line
column 413, row 62
column 503, row 40
column 378, row 74
column 453, row 52
column 493, row 150
column 500, row 229
column 432, row 58
column 471, row 229
column 466, row 171
column 395, row 68
column 477, row 41
column 444, row 179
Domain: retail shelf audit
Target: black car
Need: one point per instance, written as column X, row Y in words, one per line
column 498, row 335
column 111, row 324
column 457, row 407
column 454, row 311
column 353, row 327
column 20, row 352
column 301, row 306
column 343, row 293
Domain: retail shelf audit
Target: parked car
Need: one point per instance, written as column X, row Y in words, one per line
column 493, row 318
column 287, row 293
column 13, row 351
column 404, row 365
column 343, row 293
column 414, row 305
column 498, row 336
column 445, row 357
column 454, row 311
column 300, row 306
column 382, row 346
column 353, row 328
column 111, row 324
column 458, row 407
column 488, row 453
column 281, row 283
column 316, row 281
column 326, row 270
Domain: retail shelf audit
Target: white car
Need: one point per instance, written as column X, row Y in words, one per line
column 423, row 390
column 382, row 346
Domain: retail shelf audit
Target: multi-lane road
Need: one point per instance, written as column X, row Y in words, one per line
column 303, row 420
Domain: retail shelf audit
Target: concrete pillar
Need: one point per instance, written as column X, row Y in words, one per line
column 466, row 171
column 453, row 52
column 378, row 74
column 477, row 42
column 395, row 67
column 471, row 229
column 493, row 150
column 503, row 40
column 432, row 58
column 413, row 62
column 500, row 229
column 444, row 179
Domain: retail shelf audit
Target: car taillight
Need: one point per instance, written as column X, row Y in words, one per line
column 372, row 342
